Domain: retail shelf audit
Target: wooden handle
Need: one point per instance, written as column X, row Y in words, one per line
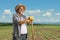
column 32, row 32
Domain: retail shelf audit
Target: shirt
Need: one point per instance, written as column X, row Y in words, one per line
column 22, row 29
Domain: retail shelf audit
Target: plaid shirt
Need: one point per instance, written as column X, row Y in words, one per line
column 16, row 26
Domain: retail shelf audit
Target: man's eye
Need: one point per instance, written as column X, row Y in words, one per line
column 20, row 9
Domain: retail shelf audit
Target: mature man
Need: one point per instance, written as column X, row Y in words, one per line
column 20, row 23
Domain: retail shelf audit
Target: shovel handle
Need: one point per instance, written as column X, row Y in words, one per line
column 32, row 32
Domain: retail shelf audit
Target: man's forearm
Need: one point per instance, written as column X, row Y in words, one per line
column 22, row 21
column 25, row 21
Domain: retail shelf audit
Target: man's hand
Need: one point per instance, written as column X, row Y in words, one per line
column 30, row 19
column 27, row 20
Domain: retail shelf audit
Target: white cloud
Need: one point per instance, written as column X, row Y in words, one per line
column 50, row 10
column 55, row 20
column 47, row 14
column 5, row 20
column 58, row 14
column 37, row 20
column 32, row 11
column 51, row 20
column 7, row 11
column 3, row 16
column 38, row 12
column 6, row 16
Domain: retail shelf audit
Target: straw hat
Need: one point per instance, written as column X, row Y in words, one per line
column 18, row 7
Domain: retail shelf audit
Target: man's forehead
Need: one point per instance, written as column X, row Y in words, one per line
column 21, row 7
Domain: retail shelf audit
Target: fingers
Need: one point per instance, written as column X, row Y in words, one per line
column 31, row 18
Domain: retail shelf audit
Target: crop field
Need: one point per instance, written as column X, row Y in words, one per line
column 41, row 32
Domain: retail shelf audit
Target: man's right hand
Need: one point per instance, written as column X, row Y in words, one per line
column 30, row 20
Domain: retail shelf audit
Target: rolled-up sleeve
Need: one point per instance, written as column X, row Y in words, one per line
column 15, row 19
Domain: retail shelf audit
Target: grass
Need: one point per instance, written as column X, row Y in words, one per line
column 41, row 32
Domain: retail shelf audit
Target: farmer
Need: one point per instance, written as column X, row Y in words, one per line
column 20, row 23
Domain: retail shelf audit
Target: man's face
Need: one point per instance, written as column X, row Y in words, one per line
column 21, row 10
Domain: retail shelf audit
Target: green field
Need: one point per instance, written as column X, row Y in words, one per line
column 41, row 32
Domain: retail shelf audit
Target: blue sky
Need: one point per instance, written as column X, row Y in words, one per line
column 44, row 11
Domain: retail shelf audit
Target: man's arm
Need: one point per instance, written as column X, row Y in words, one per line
column 22, row 21
column 25, row 21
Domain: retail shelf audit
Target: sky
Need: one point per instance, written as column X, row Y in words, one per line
column 43, row 11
